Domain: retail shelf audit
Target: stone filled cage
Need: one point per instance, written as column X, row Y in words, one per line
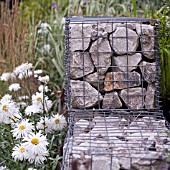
column 113, row 95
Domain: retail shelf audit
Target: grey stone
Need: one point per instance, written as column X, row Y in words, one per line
column 149, row 161
column 83, row 95
column 81, row 126
column 146, row 33
column 102, row 61
column 101, row 55
column 96, row 80
column 128, row 62
column 150, row 97
column 104, row 163
column 133, row 97
column 81, row 64
column 121, row 37
column 125, row 163
column 100, row 46
column 102, row 30
column 97, row 146
column 128, row 25
column 110, row 120
column 148, row 71
column 121, row 80
column 80, row 36
column 111, row 101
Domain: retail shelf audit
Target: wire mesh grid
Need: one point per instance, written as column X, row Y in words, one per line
column 112, row 94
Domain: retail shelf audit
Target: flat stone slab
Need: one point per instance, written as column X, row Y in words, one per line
column 83, row 95
column 111, row 101
column 146, row 33
column 127, row 63
column 81, row 64
column 148, row 71
column 124, row 40
column 121, row 80
column 133, row 97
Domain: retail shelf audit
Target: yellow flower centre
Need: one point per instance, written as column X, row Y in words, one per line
column 39, row 99
column 4, row 107
column 57, row 121
column 22, row 149
column 34, row 141
column 21, row 127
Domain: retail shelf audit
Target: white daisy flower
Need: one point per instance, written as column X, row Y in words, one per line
column 32, row 169
column 14, row 87
column 38, row 158
column 5, row 76
column 6, row 97
column 41, row 100
column 58, row 122
column 23, row 71
column 22, row 129
column 45, row 123
column 20, row 153
column 8, row 109
column 44, row 79
column 33, row 109
column 42, row 88
column 35, row 143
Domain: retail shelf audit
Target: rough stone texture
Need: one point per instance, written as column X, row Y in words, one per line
column 100, row 46
column 81, row 126
column 102, row 30
column 128, row 25
column 81, row 64
column 80, row 38
column 150, row 96
column 121, row 80
column 109, row 137
column 111, row 101
column 146, row 33
column 149, row 161
column 104, row 163
column 128, row 63
column 133, row 97
column 148, row 71
column 102, row 61
column 83, row 95
column 119, row 41
column 101, row 54
column 96, row 80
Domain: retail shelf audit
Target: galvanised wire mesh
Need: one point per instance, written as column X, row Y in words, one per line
column 113, row 95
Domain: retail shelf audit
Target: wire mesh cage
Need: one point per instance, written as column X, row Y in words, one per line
column 113, row 95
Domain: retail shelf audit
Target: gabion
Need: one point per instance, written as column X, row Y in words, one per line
column 113, row 95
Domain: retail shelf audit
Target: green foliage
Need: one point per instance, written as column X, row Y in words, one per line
column 42, row 8
column 164, row 47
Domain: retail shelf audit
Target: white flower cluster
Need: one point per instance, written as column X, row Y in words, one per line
column 8, row 109
column 33, row 148
column 32, row 122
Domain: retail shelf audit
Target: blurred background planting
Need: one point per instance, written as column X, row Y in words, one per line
column 33, row 31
